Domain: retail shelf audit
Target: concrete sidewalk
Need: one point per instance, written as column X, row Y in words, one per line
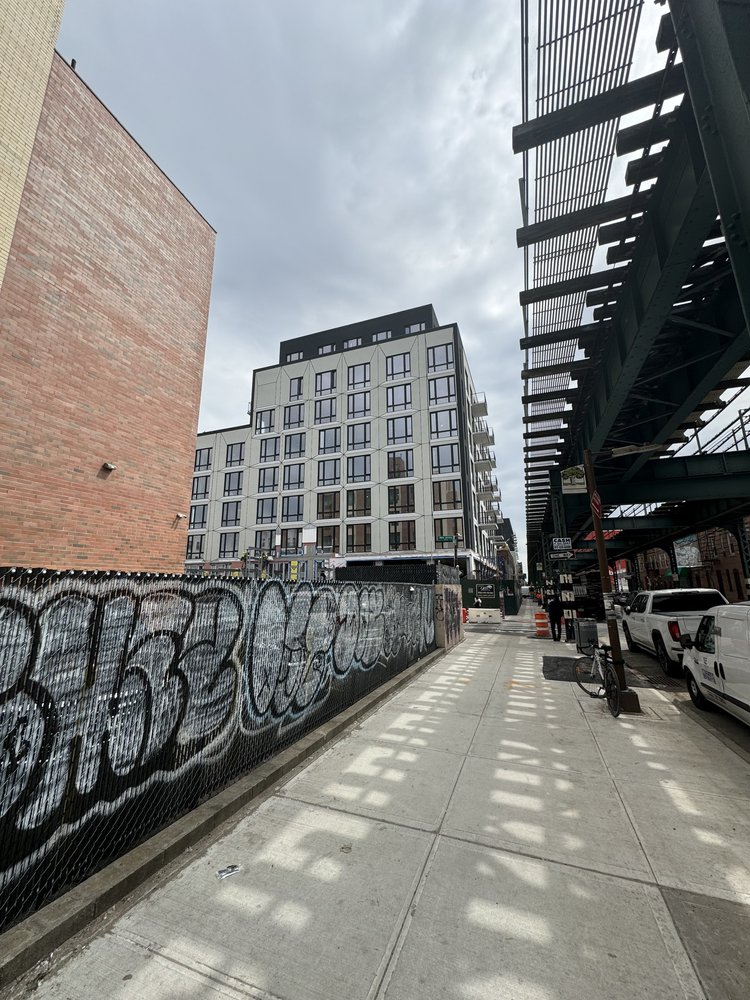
column 487, row 833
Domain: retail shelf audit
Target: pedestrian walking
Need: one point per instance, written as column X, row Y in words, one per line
column 555, row 612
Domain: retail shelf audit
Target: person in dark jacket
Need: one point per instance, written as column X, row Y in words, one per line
column 555, row 612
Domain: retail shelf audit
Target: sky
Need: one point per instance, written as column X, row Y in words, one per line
column 355, row 159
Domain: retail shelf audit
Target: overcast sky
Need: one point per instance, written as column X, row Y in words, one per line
column 355, row 159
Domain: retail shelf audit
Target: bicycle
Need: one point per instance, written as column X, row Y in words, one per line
column 598, row 677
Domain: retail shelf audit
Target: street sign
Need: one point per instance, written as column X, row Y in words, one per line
column 293, row 570
column 561, row 544
column 596, row 504
column 445, row 538
column 561, row 555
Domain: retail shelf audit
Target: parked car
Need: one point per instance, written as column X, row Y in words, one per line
column 717, row 660
column 656, row 619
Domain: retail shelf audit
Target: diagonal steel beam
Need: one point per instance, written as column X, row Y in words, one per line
column 583, row 218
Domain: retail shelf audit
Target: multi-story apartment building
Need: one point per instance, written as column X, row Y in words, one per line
column 366, row 443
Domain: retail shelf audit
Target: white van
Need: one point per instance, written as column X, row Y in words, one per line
column 717, row 663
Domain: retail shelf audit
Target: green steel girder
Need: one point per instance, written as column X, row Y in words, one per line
column 583, row 218
column 586, row 335
column 694, row 477
column 582, row 283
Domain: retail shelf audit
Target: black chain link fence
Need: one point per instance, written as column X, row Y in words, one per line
column 126, row 700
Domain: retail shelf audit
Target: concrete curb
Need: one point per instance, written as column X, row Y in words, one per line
column 34, row 938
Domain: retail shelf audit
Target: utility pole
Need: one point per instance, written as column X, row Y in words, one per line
column 628, row 698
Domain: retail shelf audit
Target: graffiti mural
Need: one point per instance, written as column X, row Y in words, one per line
column 127, row 700
column 448, row 620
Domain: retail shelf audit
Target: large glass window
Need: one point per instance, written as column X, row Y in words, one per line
column 264, row 420
column 325, row 410
column 357, row 437
column 415, row 328
column 401, row 499
column 398, row 366
column 358, row 469
column 442, row 390
column 198, row 516
column 399, row 430
column 294, row 415
column 439, row 358
column 358, row 405
column 328, row 538
column 329, row 506
column 359, row 538
column 292, row 508
column 443, row 424
column 398, row 397
column 291, row 541
column 195, row 544
column 359, row 376
column 402, row 535
column 236, row 453
column 448, row 527
column 400, row 464
column 229, row 544
column 266, row 511
column 444, row 459
column 354, row 342
column 325, row 382
column 329, row 440
column 359, row 503
column 268, row 479
column 295, row 388
column 232, row 484
column 446, row 494
column 294, row 446
column 294, row 356
column 200, row 487
column 202, row 459
column 378, row 338
column 269, row 450
column 230, row 513
column 326, row 349
column 263, row 541
column 294, row 476
column 329, row 472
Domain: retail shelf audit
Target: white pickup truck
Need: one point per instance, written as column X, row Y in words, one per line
column 655, row 620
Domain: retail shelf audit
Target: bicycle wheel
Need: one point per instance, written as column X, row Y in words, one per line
column 612, row 689
column 587, row 677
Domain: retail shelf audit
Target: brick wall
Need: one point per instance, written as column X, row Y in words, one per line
column 103, row 314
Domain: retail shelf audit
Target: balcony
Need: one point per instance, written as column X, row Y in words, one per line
column 485, row 460
column 487, row 488
column 487, row 519
column 479, row 405
column 484, row 436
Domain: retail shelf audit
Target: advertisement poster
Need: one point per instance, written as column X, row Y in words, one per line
column 573, row 479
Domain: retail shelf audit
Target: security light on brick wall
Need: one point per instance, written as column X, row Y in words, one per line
column 180, row 517
column 109, row 467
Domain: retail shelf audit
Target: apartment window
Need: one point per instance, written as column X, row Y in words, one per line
column 398, row 397
column 359, row 503
column 198, row 516
column 446, row 494
column 195, row 545
column 328, row 538
column 401, row 499
column 263, row 541
column 398, row 366
column 448, row 527
column 399, row 430
column 325, row 382
column 329, row 441
column 357, row 437
column 292, row 508
column 294, row 476
column 266, row 511
column 230, row 513
column 202, row 459
column 442, row 390
column 329, row 472
column 444, row 459
column 402, row 535
column 415, row 328
column 294, row 415
column 268, row 479
column 232, row 484
column 439, row 358
column 291, row 541
column 294, row 446
column 295, row 387
column 400, row 464
column 294, row 356
column 358, row 469
column 325, row 411
column 236, row 453
column 269, row 450
column 229, row 544
column 358, row 376
column 359, row 538
column 329, row 506
column 264, row 421
column 358, row 405
column 443, row 424
column 354, row 342
column 378, row 338
column 326, row 349
column 200, row 487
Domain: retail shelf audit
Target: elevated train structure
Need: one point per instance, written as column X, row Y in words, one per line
column 636, row 306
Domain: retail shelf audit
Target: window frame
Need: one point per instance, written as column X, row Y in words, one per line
column 199, row 465
column 230, row 451
column 336, row 463
column 262, row 475
column 194, row 495
column 405, row 436
column 351, row 509
column 233, row 483
column 260, row 426
column 325, row 411
column 226, row 521
column 354, row 462
column 409, row 473
column 391, row 373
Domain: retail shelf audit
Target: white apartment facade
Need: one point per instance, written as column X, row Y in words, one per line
column 366, row 443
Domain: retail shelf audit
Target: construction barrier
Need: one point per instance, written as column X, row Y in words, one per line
column 541, row 621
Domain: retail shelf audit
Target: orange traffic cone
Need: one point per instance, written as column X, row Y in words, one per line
column 542, row 625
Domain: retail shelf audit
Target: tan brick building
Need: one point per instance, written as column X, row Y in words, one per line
column 103, row 313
